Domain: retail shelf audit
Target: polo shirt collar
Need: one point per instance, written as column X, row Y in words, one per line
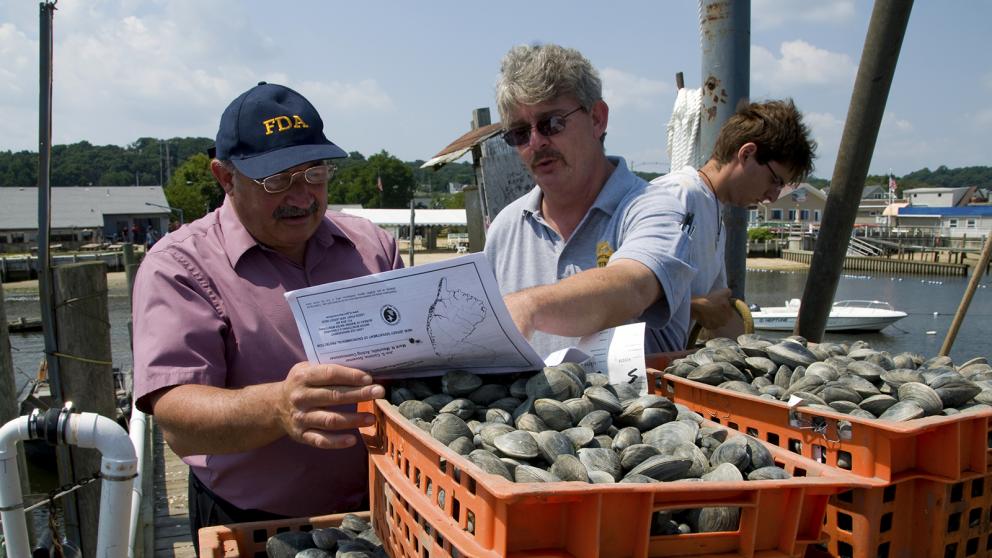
column 238, row 241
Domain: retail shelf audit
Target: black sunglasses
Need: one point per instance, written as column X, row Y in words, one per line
column 548, row 126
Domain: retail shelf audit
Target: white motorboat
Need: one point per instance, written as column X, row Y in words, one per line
column 845, row 315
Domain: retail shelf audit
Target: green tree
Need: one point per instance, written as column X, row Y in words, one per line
column 193, row 188
column 356, row 182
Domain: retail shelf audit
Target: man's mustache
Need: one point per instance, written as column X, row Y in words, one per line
column 544, row 154
column 284, row 211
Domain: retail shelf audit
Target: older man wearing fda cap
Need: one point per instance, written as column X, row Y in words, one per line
column 217, row 356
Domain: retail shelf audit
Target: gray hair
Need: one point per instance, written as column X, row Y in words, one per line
column 532, row 74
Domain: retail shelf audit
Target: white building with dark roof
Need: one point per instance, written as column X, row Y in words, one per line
column 82, row 215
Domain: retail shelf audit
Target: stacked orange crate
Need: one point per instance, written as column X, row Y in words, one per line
column 935, row 495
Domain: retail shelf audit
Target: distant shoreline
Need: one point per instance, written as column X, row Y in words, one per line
column 117, row 281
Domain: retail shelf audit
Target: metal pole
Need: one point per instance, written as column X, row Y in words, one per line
column 412, row 222
column 45, row 292
column 871, row 90
column 725, row 29
column 976, row 278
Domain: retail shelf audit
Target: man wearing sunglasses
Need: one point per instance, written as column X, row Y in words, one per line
column 217, row 355
column 592, row 246
column 759, row 150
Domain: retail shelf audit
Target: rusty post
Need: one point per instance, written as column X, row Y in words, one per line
column 725, row 27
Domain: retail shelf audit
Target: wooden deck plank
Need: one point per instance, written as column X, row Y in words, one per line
column 171, row 505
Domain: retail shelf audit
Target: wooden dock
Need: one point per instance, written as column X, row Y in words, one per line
column 881, row 264
column 170, row 501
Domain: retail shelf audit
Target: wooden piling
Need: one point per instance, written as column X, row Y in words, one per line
column 83, row 329
column 8, row 392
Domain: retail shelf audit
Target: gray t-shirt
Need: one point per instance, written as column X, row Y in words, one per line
column 630, row 219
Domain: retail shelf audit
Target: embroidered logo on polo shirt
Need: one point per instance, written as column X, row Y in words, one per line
column 603, row 253
column 283, row 123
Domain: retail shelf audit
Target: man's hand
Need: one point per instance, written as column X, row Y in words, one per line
column 309, row 391
column 712, row 310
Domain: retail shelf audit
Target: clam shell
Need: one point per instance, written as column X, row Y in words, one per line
column 603, row 399
column 567, row 467
column 508, row 404
column 710, row 374
column 790, row 354
column 463, row 408
column 528, row 473
column 867, row 370
column 599, row 421
column 488, row 393
column 554, row 413
column 903, row 410
column 446, row 428
column 713, row 520
column 625, row 438
column 413, row 408
column 552, row 383
column 438, row 400
column 900, row 376
column 518, row 444
column 770, row 472
column 733, row 451
column 498, row 415
column 578, row 407
column 580, row 436
column 923, row 395
column 458, row 383
column 724, row 472
column 552, row 445
column 530, row 422
column 601, row 477
column 663, row 467
column 490, row 430
column 806, row 383
column 878, row 404
column 601, row 459
column 634, row 455
column 462, row 446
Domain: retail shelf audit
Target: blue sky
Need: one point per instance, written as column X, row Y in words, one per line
column 405, row 76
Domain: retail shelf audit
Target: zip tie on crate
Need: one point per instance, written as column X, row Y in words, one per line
column 821, row 429
column 81, row 359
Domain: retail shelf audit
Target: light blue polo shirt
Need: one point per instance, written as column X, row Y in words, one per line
column 630, row 219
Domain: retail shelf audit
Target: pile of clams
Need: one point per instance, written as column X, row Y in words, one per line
column 563, row 424
column 353, row 538
column 853, row 379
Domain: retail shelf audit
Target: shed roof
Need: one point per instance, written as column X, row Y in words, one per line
column 398, row 217
column 78, row 206
column 463, row 144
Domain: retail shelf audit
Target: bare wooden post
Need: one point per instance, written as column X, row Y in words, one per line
column 83, row 326
column 976, row 277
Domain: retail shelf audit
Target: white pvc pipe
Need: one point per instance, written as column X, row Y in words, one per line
column 118, row 465
column 137, row 430
column 15, row 527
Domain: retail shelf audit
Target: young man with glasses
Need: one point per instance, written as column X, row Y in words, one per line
column 217, row 355
column 759, row 150
column 592, row 246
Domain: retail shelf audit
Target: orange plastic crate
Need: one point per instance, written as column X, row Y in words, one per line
column 943, row 448
column 917, row 517
column 247, row 540
column 427, row 500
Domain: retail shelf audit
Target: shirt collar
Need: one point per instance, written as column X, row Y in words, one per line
column 238, row 241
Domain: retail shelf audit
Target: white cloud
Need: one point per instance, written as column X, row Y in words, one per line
column 983, row 119
column 622, row 89
column 892, row 124
column 125, row 69
column 776, row 13
column 799, row 64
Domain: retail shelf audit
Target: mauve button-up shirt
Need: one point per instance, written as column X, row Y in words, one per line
column 209, row 309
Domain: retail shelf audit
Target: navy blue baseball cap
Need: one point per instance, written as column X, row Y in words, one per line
column 271, row 128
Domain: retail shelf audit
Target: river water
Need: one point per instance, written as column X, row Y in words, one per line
column 929, row 301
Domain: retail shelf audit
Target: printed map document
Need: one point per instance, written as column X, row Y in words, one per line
column 428, row 319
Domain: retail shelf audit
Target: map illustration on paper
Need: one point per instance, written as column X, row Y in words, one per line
column 452, row 322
